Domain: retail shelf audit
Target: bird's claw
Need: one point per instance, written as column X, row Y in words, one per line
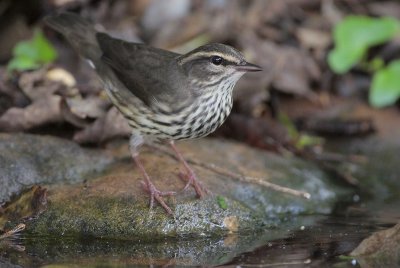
column 157, row 195
column 192, row 180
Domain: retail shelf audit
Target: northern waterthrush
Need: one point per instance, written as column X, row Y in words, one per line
column 163, row 95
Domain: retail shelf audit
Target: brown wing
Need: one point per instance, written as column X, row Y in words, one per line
column 149, row 73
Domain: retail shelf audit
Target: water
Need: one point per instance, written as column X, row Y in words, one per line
column 312, row 241
column 320, row 245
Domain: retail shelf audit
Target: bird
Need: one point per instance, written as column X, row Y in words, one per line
column 164, row 96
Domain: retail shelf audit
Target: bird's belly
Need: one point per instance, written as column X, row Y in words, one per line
column 203, row 120
column 197, row 120
column 192, row 123
column 203, row 127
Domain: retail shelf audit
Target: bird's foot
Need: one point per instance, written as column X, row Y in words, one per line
column 191, row 179
column 189, row 175
column 157, row 195
column 150, row 188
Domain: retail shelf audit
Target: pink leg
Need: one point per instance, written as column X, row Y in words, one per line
column 151, row 189
column 190, row 177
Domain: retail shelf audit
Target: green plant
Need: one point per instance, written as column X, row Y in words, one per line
column 353, row 37
column 300, row 140
column 32, row 54
column 222, row 202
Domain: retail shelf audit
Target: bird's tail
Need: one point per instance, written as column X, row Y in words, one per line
column 79, row 32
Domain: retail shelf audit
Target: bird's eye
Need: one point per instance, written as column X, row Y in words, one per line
column 216, row 60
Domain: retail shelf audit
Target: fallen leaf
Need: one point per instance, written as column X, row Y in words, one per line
column 110, row 125
column 313, row 39
column 92, row 106
column 43, row 111
column 29, row 204
column 292, row 69
column 61, row 75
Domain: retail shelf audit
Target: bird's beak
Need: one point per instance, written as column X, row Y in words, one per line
column 248, row 67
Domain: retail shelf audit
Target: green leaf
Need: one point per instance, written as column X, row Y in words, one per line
column 385, row 88
column 305, row 140
column 22, row 64
column 301, row 140
column 290, row 127
column 355, row 35
column 222, row 202
column 345, row 258
column 32, row 54
column 342, row 60
column 25, row 49
column 46, row 52
column 376, row 64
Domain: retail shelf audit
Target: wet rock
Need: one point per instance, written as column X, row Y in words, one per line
column 382, row 249
column 26, row 160
column 116, row 206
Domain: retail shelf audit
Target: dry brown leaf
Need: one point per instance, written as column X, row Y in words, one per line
column 262, row 133
column 61, row 75
column 42, row 111
column 313, row 39
column 30, row 203
column 111, row 125
column 33, row 85
column 388, row 9
column 92, row 106
column 55, row 98
column 292, row 69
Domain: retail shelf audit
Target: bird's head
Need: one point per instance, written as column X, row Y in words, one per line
column 214, row 65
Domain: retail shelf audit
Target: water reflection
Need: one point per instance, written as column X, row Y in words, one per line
column 316, row 246
column 312, row 241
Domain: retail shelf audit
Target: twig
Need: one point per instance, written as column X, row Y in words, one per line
column 20, row 227
column 280, row 264
column 236, row 176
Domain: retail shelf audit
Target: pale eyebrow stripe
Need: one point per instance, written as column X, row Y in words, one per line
column 209, row 54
